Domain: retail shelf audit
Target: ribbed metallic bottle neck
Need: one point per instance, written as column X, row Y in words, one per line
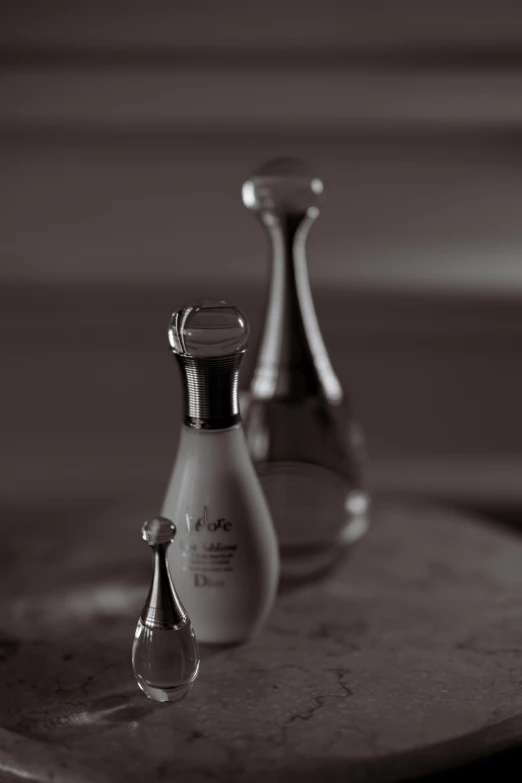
column 162, row 608
column 210, row 389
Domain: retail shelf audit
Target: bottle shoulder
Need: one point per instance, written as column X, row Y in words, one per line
column 218, row 451
column 308, row 430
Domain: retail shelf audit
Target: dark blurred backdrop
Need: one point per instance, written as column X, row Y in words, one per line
column 126, row 130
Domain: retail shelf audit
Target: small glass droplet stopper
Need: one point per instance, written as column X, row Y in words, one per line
column 165, row 655
column 283, row 185
column 158, row 531
column 208, row 328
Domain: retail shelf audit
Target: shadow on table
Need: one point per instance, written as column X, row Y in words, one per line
column 504, row 766
column 493, row 752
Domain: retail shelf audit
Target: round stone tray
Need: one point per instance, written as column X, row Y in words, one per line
column 406, row 659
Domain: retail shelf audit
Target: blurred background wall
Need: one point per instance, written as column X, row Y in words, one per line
column 126, row 130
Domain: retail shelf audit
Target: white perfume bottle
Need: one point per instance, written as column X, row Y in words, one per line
column 225, row 556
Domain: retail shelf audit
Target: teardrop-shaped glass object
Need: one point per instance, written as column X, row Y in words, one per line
column 307, row 447
column 165, row 655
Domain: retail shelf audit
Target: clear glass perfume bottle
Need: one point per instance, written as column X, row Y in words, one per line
column 225, row 556
column 303, row 439
column 165, row 655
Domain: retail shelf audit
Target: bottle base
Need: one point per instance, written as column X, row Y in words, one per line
column 162, row 694
column 301, row 563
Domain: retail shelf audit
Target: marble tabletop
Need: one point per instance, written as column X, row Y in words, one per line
column 406, row 659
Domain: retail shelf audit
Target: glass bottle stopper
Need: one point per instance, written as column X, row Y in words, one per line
column 165, row 655
column 208, row 328
column 283, row 185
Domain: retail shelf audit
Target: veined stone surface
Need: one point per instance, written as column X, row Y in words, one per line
column 405, row 659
